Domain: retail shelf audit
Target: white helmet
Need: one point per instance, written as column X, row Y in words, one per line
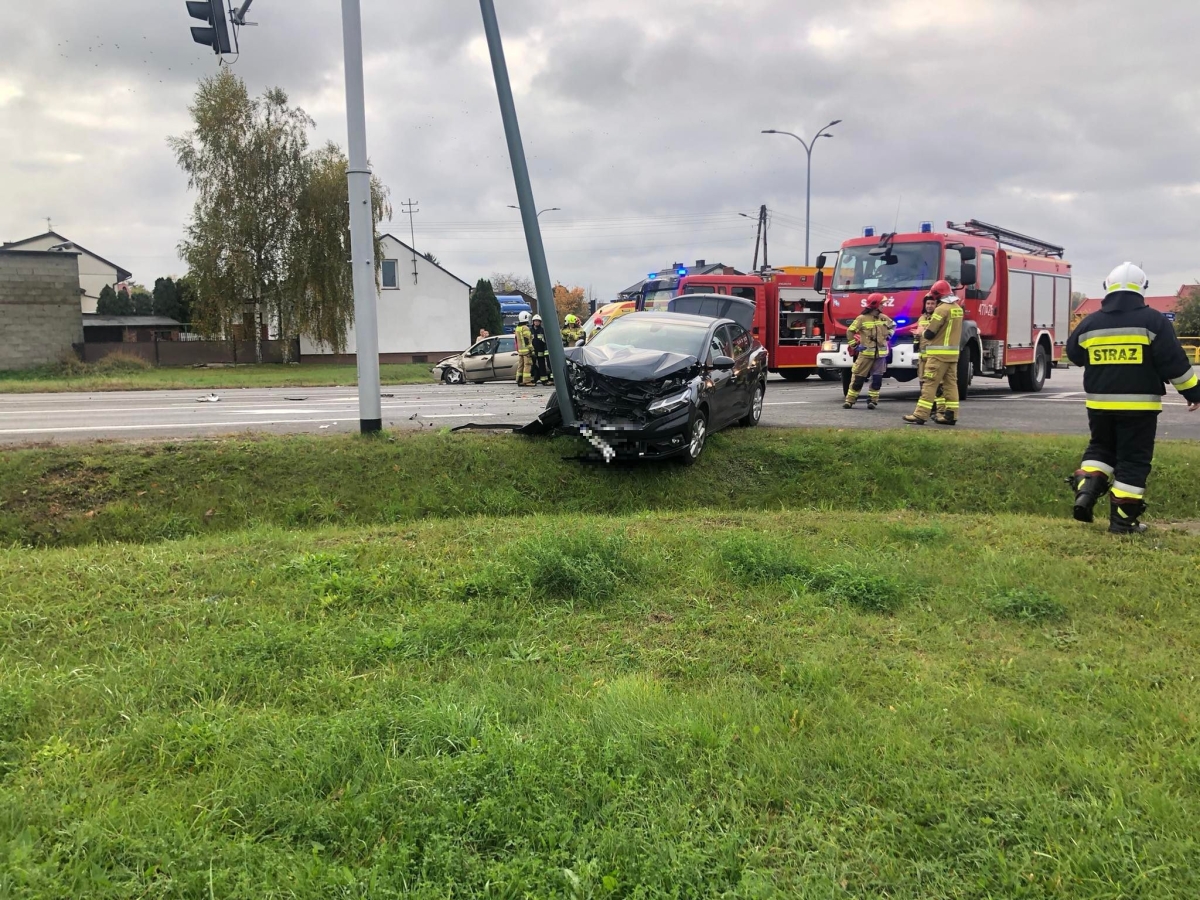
column 1126, row 277
column 523, row 317
column 537, row 318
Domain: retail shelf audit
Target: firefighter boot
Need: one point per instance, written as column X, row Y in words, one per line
column 1123, row 516
column 1089, row 488
column 914, row 420
column 949, row 417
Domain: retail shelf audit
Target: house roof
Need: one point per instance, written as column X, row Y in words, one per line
column 427, row 259
column 706, row 269
column 95, row 320
column 122, row 274
column 1162, row 304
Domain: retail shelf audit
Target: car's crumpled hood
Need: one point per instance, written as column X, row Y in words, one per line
column 631, row 364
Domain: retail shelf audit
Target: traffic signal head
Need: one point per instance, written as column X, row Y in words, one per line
column 217, row 34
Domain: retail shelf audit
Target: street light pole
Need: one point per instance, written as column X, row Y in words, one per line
column 529, row 217
column 362, row 226
column 539, row 215
column 808, row 149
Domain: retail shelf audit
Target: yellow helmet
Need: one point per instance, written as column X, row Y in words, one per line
column 571, row 320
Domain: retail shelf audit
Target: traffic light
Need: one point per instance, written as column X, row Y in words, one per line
column 217, row 34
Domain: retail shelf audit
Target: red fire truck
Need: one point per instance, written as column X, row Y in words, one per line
column 1015, row 291
column 788, row 315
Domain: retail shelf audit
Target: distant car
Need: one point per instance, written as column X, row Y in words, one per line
column 657, row 384
column 491, row 359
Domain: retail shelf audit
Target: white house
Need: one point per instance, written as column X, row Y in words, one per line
column 424, row 312
column 94, row 271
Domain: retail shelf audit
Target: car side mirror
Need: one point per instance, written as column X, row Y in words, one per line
column 579, row 343
column 819, row 278
column 723, row 362
column 969, row 274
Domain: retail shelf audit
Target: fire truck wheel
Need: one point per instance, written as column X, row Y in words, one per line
column 965, row 371
column 827, row 374
column 847, row 375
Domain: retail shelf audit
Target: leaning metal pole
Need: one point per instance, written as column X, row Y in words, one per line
column 533, row 231
column 362, row 226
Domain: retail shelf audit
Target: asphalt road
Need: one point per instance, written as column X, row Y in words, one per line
column 159, row 415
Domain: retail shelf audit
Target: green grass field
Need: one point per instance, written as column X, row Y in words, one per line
column 672, row 692
column 58, row 379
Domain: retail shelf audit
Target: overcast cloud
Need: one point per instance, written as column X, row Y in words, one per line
column 1077, row 121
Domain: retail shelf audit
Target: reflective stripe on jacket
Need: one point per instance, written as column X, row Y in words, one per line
column 872, row 334
column 524, row 340
column 946, row 324
column 922, row 325
column 1128, row 351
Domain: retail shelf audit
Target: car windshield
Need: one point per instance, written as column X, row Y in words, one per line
column 659, row 299
column 652, row 333
column 908, row 266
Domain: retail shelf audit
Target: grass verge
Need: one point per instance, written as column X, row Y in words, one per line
column 98, row 377
column 78, row 494
column 661, row 705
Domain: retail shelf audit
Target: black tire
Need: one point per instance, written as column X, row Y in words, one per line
column 1031, row 379
column 795, row 374
column 452, row 376
column 697, row 438
column 750, row 419
column 847, row 377
column 965, row 372
column 827, row 374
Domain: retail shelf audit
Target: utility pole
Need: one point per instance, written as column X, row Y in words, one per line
column 362, row 226
column 808, row 149
column 410, row 208
column 765, row 225
column 529, row 217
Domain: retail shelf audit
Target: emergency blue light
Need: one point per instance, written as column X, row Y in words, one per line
column 681, row 272
column 869, row 231
column 902, row 321
column 652, row 275
column 926, row 228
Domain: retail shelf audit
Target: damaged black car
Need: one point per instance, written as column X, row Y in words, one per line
column 654, row 385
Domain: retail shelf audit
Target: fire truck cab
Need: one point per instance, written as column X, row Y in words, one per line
column 1015, row 291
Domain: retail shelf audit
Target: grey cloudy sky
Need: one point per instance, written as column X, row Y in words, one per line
column 1077, row 121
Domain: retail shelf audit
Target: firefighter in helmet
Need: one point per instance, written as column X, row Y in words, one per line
column 524, row 335
column 541, row 354
column 1128, row 351
column 922, row 342
column 572, row 332
column 870, row 334
column 944, row 334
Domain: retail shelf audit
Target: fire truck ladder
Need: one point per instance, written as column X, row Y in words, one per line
column 1013, row 239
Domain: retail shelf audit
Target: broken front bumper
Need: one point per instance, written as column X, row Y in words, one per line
column 654, row 439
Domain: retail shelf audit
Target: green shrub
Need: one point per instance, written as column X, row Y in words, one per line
column 119, row 364
column 576, row 566
column 864, row 590
column 1021, row 605
column 754, row 559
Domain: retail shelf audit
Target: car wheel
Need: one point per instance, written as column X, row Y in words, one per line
column 756, row 406
column 697, row 438
column 452, row 376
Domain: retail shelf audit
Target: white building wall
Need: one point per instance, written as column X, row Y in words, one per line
column 93, row 273
column 429, row 317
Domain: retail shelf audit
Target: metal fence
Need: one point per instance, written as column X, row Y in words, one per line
column 194, row 352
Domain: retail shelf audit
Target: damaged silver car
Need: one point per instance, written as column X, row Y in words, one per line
column 653, row 385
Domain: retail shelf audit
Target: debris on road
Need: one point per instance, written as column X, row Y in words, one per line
column 211, row 398
column 296, row 399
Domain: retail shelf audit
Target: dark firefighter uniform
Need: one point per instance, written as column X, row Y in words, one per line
column 524, row 337
column 541, row 355
column 941, row 364
column 872, row 331
column 923, row 324
column 1128, row 351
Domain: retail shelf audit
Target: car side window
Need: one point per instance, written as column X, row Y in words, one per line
column 742, row 341
column 483, row 348
column 507, row 345
column 721, row 344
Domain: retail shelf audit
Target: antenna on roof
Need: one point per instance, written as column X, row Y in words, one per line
column 49, row 227
column 1013, row 239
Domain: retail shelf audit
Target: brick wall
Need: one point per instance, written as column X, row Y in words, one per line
column 40, row 316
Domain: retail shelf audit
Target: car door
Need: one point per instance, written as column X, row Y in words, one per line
column 745, row 373
column 721, row 400
column 504, row 363
column 477, row 362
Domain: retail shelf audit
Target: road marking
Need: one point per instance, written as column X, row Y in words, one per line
column 790, row 403
column 77, row 428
